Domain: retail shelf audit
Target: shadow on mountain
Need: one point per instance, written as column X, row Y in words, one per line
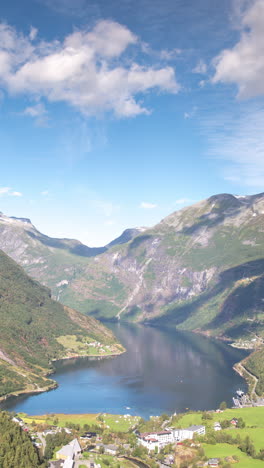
column 125, row 237
column 227, row 206
column 180, row 313
column 139, row 240
column 243, row 301
column 72, row 246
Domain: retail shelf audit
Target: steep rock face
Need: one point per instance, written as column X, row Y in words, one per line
column 185, row 271
column 175, row 261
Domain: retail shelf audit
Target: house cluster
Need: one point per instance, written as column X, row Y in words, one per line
column 54, row 430
column 95, row 344
column 108, row 449
column 158, row 440
column 88, row 435
column 66, row 455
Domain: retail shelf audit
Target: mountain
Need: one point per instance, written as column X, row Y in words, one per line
column 126, row 236
column 35, row 330
column 200, row 268
column 54, row 262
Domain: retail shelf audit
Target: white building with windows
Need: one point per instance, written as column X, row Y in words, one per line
column 199, row 430
column 151, row 440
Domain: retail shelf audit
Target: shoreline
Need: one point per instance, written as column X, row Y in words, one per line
column 250, row 379
column 238, row 367
column 53, row 384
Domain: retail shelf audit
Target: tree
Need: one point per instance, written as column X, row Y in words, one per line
column 240, row 423
column 225, row 423
column 223, row 406
column 248, row 447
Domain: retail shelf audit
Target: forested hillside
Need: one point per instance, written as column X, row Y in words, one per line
column 16, row 448
column 36, row 330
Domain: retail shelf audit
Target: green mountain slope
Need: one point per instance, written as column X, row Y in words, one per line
column 199, row 268
column 54, row 262
column 36, row 330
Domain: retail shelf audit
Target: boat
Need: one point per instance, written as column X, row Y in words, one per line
column 240, row 393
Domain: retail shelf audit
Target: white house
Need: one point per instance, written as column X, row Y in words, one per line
column 183, row 434
column 217, row 426
column 18, row 420
column 111, row 449
column 69, row 451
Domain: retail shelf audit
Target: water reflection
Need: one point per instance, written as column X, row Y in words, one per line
column 162, row 371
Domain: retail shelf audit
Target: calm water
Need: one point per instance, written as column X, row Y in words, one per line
column 162, row 371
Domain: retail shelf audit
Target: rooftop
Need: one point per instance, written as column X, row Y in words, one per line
column 70, row 450
column 194, row 428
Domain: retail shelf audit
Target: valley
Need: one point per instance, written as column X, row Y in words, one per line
column 200, row 268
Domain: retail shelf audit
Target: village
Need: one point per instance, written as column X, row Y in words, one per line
column 157, row 443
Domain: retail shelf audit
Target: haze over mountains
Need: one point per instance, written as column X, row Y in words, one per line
column 200, row 268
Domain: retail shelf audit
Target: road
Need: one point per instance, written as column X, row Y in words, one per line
column 43, row 440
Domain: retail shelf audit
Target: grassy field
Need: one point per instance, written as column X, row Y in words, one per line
column 114, row 422
column 251, row 416
column 254, row 421
column 120, row 423
column 63, row 419
column 226, row 450
column 82, row 346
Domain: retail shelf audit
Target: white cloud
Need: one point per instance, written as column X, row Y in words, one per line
column 148, row 206
column 201, row 68
column 86, row 70
column 243, row 65
column 9, row 192
column 33, row 33
column 35, row 111
column 202, row 83
column 190, row 114
column 238, row 139
column 164, row 54
column 16, row 194
column 4, row 190
column 45, row 193
column 171, row 54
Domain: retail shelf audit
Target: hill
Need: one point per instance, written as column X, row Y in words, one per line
column 36, row 330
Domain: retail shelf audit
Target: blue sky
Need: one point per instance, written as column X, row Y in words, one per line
column 115, row 113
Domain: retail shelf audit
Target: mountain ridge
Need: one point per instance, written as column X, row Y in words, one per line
column 161, row 272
